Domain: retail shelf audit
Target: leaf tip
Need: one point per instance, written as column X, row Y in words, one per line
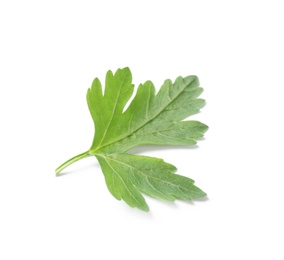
column 126, row 69
column 206, row 127
column 145, row 208
column 199, row 193
column 203, row 127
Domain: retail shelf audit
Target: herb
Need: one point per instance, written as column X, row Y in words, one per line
column 149, row 119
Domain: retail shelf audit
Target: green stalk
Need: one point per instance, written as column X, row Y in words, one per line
column 70, row 161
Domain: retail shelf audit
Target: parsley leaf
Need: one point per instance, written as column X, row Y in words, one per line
column 150, row 118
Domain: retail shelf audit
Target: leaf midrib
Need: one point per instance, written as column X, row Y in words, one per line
column 161, row 180
column 113, row 112
column 149, row 120
column 123, row 182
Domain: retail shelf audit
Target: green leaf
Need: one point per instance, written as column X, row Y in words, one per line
column 120, row 183
column 150, row 118
column 127, row 174
column 106, row 109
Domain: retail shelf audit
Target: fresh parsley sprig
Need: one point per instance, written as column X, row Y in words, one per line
column 154, row 119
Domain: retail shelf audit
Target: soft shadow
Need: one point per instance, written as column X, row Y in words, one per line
column 172, row 205
column 193, row 202
column 202, row 199
column 169, row 204
column 137, row 212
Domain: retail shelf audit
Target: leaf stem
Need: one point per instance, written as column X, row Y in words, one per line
column 70, row 161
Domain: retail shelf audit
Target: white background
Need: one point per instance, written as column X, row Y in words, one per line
column 50, row 53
